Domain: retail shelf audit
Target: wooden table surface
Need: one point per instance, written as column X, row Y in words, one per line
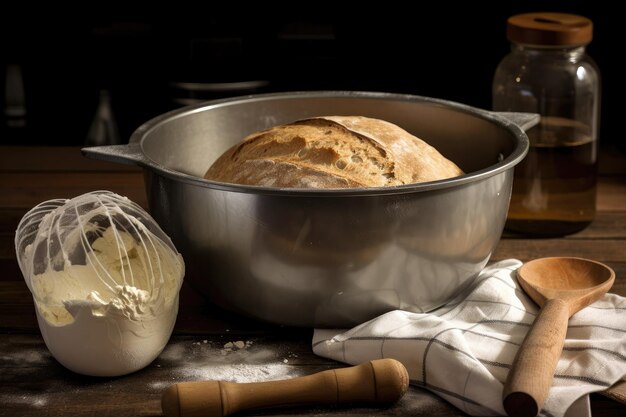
column 33, row 383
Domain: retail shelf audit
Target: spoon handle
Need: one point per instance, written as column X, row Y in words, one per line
column 531, row 375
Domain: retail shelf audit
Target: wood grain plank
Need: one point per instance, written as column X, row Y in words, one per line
column 606, row 225
column 35, row 384
column 27, row 189
column 606, row 250
column 54, row 158
column 611, row 194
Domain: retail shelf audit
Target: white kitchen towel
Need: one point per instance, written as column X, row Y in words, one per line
column 464, row 350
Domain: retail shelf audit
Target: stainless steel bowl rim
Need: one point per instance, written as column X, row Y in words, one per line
column 518, row 153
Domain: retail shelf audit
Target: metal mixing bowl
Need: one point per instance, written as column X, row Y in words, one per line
column 328, row 257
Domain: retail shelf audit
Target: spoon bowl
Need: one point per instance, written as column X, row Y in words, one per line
column 577, row 281
column 561, row 286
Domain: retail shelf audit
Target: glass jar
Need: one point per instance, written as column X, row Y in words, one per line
column 548, row 72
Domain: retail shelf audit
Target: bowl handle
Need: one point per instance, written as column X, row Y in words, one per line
column 524, row 121
column 130, row 154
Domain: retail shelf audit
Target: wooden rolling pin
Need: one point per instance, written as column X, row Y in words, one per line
column 381, row 381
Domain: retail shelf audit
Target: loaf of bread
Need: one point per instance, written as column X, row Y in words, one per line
column 332, row 152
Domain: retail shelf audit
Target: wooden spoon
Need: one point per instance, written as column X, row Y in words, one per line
column 561, row 287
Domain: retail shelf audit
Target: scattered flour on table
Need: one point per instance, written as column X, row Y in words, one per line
column 36, row 401
column 233, row 361
column 26, row 356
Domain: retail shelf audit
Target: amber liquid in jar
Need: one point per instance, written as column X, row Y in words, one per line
column 554, row 187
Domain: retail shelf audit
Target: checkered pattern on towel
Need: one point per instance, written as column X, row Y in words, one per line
column 464, row 350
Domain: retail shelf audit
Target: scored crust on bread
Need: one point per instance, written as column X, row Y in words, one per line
column 332, row 152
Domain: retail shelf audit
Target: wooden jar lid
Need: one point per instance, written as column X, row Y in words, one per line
column 549, row 29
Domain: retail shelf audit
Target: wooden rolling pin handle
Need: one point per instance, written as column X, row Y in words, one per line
column 530, row 378
column 380, row 381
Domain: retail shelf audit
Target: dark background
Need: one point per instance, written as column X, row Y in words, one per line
column 441, row 49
